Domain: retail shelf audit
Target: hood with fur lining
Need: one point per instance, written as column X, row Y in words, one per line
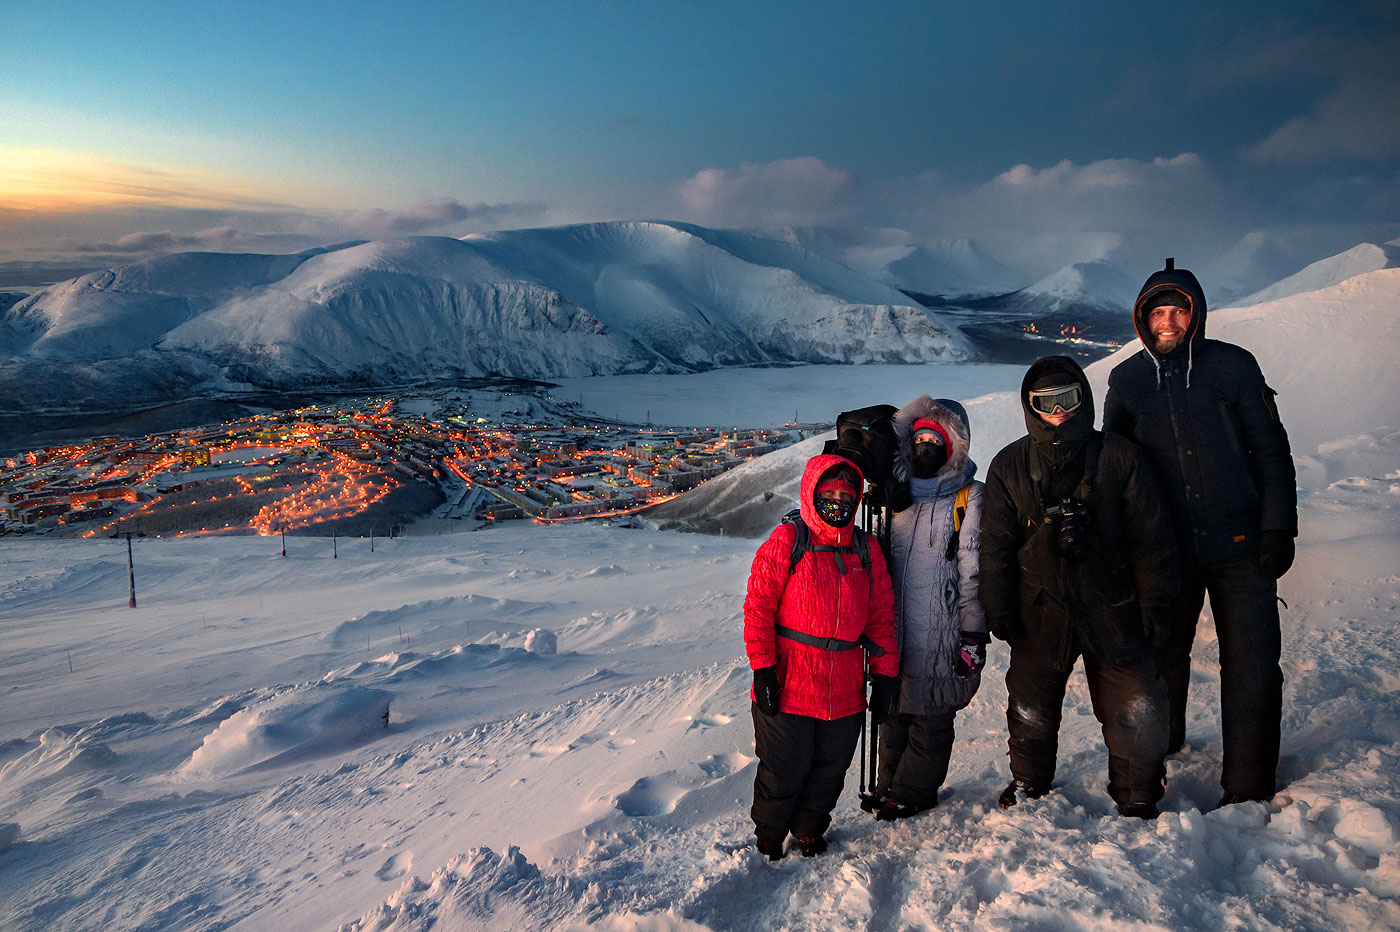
column 953, row 418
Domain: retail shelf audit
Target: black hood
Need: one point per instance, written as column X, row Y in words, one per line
column 1171, row 278
column 1073, row 432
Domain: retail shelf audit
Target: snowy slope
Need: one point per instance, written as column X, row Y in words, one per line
column 1364, row 257
column 568, row 747
column 1263, row 257
column 600, row 298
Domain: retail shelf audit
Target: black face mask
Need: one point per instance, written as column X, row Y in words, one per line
column 928, row 459
column 835, row 512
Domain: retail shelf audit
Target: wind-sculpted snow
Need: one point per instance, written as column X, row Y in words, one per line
column 297, row 724
column 572, row 301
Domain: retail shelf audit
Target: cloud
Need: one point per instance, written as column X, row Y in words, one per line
column 215, row 239
column 437, row 214
column 786, row 191
column 1040, row 218
column 1107, row 173
column 113, row 234
column 1355, row 121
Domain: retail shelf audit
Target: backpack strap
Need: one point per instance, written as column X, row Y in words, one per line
column 832, row 644
column 959, row 512
column 801, row 544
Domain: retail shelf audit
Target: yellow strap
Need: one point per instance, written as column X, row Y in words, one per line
column 960, row 506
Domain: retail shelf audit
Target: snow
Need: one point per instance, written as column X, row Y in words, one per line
column 301, row 722
column 1365, row 257
column 568, row 743
column 569, row 301
column 1098, row 281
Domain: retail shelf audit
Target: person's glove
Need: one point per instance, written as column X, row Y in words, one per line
column 1276, row 552
column 766, row 689
column 972, row 654
column 884, row 691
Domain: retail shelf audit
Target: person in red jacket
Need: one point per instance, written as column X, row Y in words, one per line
column 804, row 629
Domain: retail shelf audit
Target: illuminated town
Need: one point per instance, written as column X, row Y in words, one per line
column 348, row 468
column 1070, row 334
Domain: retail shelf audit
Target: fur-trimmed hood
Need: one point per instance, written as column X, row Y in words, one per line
column 953, row 418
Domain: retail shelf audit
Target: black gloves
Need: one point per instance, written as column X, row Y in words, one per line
column 972, row 655
column 765, row 689
column 884, row 692
column 1275, row 552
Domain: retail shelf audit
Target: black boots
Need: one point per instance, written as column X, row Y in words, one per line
column 1016, row 789
column 892, row 809
column 1139, row 811
column 771, row 847
column 774, row 849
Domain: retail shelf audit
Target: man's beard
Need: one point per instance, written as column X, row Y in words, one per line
column 1166, row 345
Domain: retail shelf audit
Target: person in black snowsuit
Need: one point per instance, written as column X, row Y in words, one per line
column 1078, row 559
column 1206, row 418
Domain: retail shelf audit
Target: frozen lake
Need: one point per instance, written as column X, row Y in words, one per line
column 770, row 396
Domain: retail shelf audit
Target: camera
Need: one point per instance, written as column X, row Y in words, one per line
column 1072, row 519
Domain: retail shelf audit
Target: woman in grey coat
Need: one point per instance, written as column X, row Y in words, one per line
column 939, row 622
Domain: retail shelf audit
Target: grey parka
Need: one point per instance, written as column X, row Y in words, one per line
column 935, row 598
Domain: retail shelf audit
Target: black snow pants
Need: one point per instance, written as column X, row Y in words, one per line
column 802, row 764
column 914, row 755
column 1130, row 702
column 1243, row 599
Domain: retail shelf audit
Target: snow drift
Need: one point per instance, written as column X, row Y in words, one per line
column 296, row 724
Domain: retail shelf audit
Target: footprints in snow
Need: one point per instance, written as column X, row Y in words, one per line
column 661, row 794
column 614, row 743
column 397, row 865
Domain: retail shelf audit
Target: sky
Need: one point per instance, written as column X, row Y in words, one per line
column 1048, row 133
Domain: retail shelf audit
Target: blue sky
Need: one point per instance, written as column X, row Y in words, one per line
column 132, row 128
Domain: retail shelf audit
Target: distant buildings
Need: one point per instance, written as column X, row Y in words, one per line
column 539, row 471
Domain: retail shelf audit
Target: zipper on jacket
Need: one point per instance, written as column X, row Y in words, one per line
column 832, row 655
column 1172, row 398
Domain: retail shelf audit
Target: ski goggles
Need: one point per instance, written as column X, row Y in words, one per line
column 1065, row 397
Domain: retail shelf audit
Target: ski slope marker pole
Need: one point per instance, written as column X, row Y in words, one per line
column 130, row 575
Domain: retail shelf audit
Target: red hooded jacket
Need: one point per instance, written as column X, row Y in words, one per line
column 817, row 599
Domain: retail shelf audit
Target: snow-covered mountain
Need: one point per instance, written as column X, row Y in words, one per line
column 1362, row 258
column 943, row 267
column 592, row 299
column 1263, row 257
column 1087, row 299
column 1098, row 284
